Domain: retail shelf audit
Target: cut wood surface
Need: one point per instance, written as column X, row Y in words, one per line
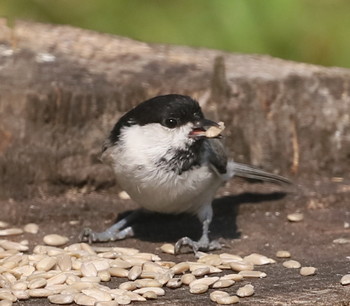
column 62, row 89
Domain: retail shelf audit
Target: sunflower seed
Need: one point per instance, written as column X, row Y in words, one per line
column 258, row 259
column 118, row 272
column 10, row 245
column 57, row 279
column 199, row 288
column 235, row 277
column 46, row 264
column 83, row 299
column 292, row 264
column 141, row 283
column 168, row 248
column 245, row 291
column 134, row 272
column 150, row 295
column 128, row 286
column 88, row 269
column 123, row 299
column 55, row 240
column 208, row 281
column 295, row 217
column 20, row 285
column 241, row 266
column 223, row 283
column 227, row 300
column 215, row 294
column 40, row 292
column 21, row 294
column 11, row 231
column 31, row 228
column 134, row 297
column 97, row 294
column 64, row 262
column 201, row 271
column 174, row 283
column 211, row 259
column 61, row 299
column 7, row 295
column 283, row 254
column 156, row 290
column 345, row 280
column 180, row 268
column 104, row 275
column 110, row 303
column 37, row 283
column 187, row 278
column 307, row 271
column 252, row 274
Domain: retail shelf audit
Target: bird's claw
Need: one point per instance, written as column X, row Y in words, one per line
column 87, row 235
column 201, row 245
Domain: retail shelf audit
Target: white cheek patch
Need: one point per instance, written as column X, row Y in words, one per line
column 147, row 144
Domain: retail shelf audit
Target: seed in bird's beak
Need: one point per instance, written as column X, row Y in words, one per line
column 207, row 129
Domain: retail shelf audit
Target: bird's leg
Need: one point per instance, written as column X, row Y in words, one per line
column 203, row 244
column 117, row 231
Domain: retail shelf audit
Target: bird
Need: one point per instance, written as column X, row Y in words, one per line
column 165, row 159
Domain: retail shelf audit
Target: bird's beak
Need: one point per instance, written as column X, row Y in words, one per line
column 205, row 128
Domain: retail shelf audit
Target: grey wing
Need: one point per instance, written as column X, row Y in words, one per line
column 216, row 155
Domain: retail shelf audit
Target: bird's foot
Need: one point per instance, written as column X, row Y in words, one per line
column 201, row 245
column 88, row 235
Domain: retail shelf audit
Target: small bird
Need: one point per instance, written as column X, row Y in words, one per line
column 165, row 158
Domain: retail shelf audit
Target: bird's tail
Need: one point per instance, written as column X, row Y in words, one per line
column 249, row 172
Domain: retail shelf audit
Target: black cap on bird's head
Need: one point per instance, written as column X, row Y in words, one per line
column 170, row 111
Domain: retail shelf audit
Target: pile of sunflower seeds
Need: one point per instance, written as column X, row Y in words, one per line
column 77, row 273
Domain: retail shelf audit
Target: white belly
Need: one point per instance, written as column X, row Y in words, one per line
column 162, row 190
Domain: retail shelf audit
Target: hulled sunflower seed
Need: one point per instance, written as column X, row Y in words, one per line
column 199, row 288
column 283, row 254
column 150, row 295
column 156, row 290
column 83, row 299
column 46, row 264
column 245, row 291
column 217, row 293
column 174, row 283
column 31, row 228
column 118, row 272
column 187, row 278
column 258, row 259
column 252, row 274
column 295, row 217
column 55, row 240
column 307, row 271
column 345, row 280
column 61, row 299
column 223, row 283
column 180, row 268
column 97, row 294
column 227, row 300
column 168, row 248
column 241, row 266
column 292, row 264
column 208, row 281
column 11, row 231
column 134, row 272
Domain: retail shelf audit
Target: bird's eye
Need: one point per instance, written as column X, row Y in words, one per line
column 171, row 123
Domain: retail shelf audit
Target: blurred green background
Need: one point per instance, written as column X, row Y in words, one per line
column 314, row 31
